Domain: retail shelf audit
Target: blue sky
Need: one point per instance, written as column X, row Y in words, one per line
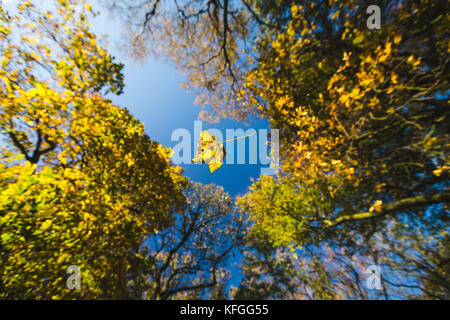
column 154, row 96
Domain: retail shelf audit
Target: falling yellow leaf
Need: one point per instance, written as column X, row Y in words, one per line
column 210, row 151
column 88, row 7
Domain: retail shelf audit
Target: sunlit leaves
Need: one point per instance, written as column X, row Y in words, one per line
column 210, row 151
column 358, row 112
column 80, row 182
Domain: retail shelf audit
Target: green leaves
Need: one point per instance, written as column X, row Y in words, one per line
column 6, row 236
column 358, row 39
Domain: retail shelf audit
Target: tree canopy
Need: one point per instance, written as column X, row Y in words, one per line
column 81, row 183
column 363, row 118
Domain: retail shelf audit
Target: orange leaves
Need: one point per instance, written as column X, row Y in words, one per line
column 376, row 206
column 397, row 38
column 414, row 61
column 440, row 170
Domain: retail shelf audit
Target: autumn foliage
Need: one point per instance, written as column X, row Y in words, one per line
column 364, row 142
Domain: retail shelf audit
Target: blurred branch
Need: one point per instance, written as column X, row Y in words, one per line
column 407, row 203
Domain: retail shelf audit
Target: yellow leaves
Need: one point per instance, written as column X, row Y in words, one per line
column 130, row 162
column 5, row 237
column 335, row 79
column 241, row 95
column 335, row 162
column 390, row 90
column 377, row 206
column 379, row 187
column 276, row 44
column 349, row 149
column 438, row 172
column 430, row 141
column 394, row 78
column 414, row 61
column 323, row 164
column 210, row 151
column 24, row 5
column 291, row 32
column 367, row 60
column 63, row 257
column 383, row 55
column 62, row 158
column 88, row 7
column 358, row 39
column 321, row 97
column 346, row 56
column 345, row 99
column 388, row 49
column 31, row 40
column 294, row 10
column 88, row 146
column 284, row 104
column 335, row 14
column 354, row 94
column 45, row 225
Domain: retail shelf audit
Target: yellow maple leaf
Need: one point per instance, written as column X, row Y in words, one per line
column 210, row 151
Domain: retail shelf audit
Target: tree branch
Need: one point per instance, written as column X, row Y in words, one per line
column 391, row 207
